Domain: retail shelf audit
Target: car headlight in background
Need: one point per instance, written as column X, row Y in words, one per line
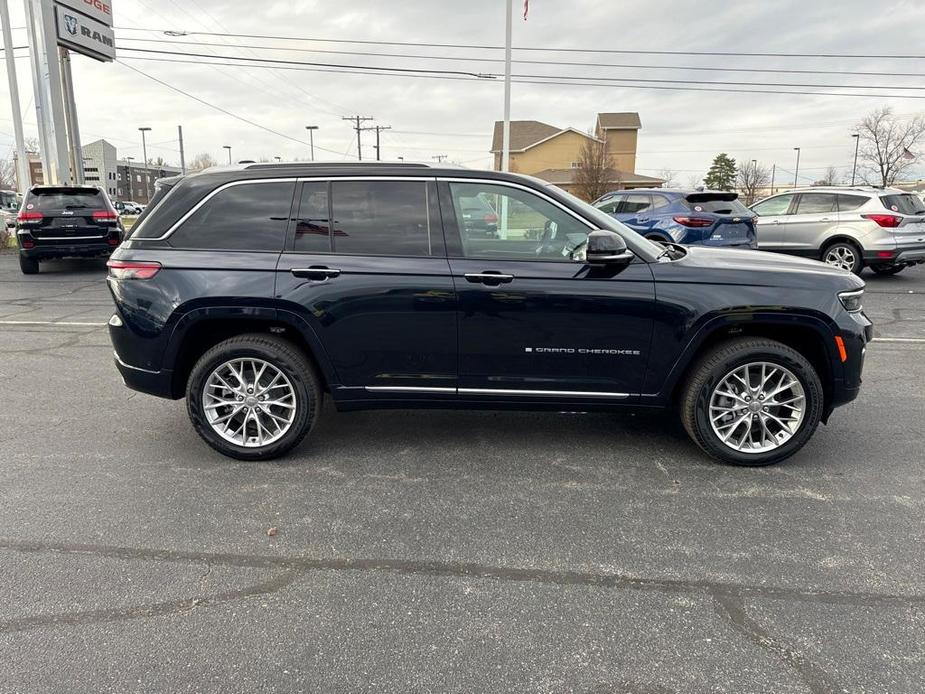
column 852, row 301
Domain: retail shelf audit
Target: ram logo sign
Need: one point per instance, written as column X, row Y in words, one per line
column 85, row 35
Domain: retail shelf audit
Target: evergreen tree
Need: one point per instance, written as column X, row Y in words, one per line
column 722, row 173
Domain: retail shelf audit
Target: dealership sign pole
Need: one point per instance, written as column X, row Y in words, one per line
column 22, row 159
column 81, row 26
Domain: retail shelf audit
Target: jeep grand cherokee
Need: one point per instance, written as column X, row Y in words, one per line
column 257, row 290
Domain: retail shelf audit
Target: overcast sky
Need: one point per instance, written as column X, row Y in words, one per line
column 682, row 130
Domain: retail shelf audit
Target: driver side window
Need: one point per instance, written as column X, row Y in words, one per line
column 500, row 222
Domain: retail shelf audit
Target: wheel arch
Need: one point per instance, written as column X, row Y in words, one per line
column 201, row 329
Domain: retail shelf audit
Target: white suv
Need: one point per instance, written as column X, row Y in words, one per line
column 881, row 228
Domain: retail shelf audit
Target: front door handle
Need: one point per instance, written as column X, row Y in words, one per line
column 315, row 273
column 490, row 277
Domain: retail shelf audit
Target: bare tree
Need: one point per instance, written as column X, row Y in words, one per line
column 201, row 161
column 32, row 145
column 887, row 148
column 694, row 181
column 750, row 178
column 595, row 173
column 670, row 177
column 830, row 178
column 7, row 174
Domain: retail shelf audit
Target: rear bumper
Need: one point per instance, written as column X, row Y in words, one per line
column 59, row 247
column 902, row 255
column 143, row 380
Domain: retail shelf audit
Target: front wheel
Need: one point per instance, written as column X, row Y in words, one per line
column 253, row 397
column 751, row 402
column 887, row 269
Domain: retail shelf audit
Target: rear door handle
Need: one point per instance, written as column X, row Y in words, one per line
column 315, row 273
column 489, row 277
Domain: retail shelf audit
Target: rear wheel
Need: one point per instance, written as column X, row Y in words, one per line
column 887, row 269
column 844, row 255
column 751, row 402
column 29, row 266
column 253, row 397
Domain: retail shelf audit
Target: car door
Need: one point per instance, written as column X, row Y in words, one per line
column 533, row 323
column 806, row 228
column 771, row 222
column 374, row 286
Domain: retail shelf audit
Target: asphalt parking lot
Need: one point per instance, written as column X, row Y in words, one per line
column 446, row 551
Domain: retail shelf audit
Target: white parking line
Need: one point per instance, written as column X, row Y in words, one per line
column 64, row 323
column 899, row 339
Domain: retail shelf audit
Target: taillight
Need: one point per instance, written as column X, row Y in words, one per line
column 490, row 219
column 890, row 221
column 113, row 240
column 29, row 217
column 132, row 269
column 105, row 216
column 698, row 222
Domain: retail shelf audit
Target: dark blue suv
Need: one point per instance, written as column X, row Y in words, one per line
column 694, row 218
column 254, row 291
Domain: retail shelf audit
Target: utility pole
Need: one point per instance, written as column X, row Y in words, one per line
column 378, row 129
column 22, row 159
column 857, row 144
column 439, row 158
column 359, row 129
column 311, row 138
column 796, row 171
column 182, row 156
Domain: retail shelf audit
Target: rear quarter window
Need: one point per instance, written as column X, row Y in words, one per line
column 241, row 217
column 846, row 203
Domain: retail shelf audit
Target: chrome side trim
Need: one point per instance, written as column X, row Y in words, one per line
column 133, row 368
column 542, row 393
column 194, row 208
column 408, row 389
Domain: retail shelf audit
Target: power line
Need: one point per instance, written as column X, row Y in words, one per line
column 533, row 62
column 219, row 108
column 539, row 49
column 614, row 83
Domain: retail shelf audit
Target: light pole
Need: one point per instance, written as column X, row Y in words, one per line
column 857, row 143
column 796, row 171
column 228, row 147
column 144, row 153
column 311, row 138
column 131, row 188
column 278, row 159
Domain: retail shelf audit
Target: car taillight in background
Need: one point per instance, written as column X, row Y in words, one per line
column 29, row 217
column 132, row 269
column 890, row 221
column 105, row 216
column 698, row 222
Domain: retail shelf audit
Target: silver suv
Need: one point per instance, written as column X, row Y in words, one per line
column 881, row 228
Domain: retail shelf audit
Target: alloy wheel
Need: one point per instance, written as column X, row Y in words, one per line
column 757, row 407
column 841, row 257
column 249, row 402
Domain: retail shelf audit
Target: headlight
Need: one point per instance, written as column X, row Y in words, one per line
column 851, row 300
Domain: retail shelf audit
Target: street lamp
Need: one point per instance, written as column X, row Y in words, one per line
column 144, row 154
column 857, row 143
column 311, row 138
column 228, row 147
column 278, row 159
column 796, row 171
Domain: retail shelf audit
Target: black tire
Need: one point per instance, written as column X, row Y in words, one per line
column 846, row 247
column 283, row 355
column 887, row 269
column 29, row 266
column 713, row 366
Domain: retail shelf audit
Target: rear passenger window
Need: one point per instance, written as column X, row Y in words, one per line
column 312, row 230
column 846, row 203
column 659, row 201
column 611, row 205
column 244, row 217
column 816, row 203
column 385, row 218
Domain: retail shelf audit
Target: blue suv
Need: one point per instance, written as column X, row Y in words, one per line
column 696, row 218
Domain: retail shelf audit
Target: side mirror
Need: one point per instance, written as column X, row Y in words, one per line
column 607, row 248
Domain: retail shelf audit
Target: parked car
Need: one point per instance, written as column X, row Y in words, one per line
column 128, row 208
column 397, row 303
column 850, row 228
column 9, row 205
column 65, row 221
column 700, row 217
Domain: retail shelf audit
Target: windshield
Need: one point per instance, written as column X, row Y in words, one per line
column 8, row 200
column 605, row 221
